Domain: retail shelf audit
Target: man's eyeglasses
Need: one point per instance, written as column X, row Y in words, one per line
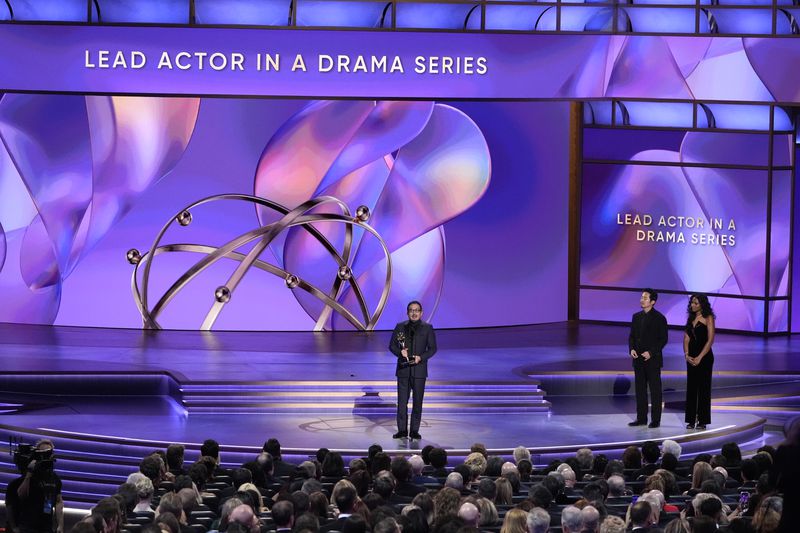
column 415, row 311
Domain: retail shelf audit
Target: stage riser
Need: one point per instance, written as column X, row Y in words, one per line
column 608, row 384
column 88, row 384
column 366, row 411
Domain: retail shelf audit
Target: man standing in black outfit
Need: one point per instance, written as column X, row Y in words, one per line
column 413, row 343
column 646, row 341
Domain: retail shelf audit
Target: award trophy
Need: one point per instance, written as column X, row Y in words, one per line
column 405, row 362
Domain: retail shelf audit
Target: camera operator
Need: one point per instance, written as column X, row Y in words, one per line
column 33, row 501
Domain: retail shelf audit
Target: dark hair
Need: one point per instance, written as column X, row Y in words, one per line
column 614, row 467
column 383, row 486
column 175, row 456
column 711, row 486
column 401, row 469
column 373, row 450
column 702, row 524
column 710, row 507
column 108, row 508
column 525, row 468
column 169, row 520
column 129, row 495
column 199, row 474
column 306, row 521
column 593, row 492
column 487, row 489
column 732, row 453
column 412, row 302
column 361, row 480
column 669, row 462
column 282, row 512
column 414, row 521
column 381, row 461
column 749, row 470
column 346, row 499
column 653, row 294
column 273, row 447
column 354, row 523
column 333, row 465
column 240, row 476
column 425, row 453
column 150, row 466
column 540, row 496
column 318, row 505
column 438, row 457
column 650, row 451
column 182, row 482
column 494, row 466
column 599, row 463
column 705, row 308
column 210, row 448
column 632, row 457
column 300, row 502
column 640, row 512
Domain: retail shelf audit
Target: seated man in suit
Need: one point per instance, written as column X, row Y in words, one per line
column 413, row 343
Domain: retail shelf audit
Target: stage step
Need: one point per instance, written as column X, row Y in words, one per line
column 359, row 397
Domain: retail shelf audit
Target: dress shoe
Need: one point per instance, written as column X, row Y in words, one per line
column 636, row 423
column 689, row 426
column 416, row 436
column 653, row 425
column 701, row 427
column 400, row 435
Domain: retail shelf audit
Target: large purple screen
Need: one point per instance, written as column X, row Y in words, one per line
column 469, row 197
column 687, row 211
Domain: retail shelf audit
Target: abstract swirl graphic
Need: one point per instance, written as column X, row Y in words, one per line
column 70, row 168
column 415, row 165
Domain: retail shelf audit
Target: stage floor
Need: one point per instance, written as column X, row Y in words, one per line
column 493, row 353
column 109, row 397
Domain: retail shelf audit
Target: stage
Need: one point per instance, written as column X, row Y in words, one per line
column 108, row 397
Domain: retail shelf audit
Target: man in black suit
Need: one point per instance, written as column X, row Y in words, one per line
column 646, row 341
column 413, row 343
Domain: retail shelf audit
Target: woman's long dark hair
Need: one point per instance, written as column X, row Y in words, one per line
column 705, row 308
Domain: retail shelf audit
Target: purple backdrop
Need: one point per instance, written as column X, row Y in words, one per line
column 504, row 241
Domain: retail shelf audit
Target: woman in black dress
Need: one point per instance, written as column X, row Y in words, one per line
column 697, row 341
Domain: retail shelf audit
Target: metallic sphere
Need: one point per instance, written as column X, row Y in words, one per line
column 344, row 273
column 362, row 213
column 292, row 281
column 134, row 256
column 222, row 294
column 184, row 218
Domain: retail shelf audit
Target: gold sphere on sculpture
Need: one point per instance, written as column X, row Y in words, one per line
column 292, row 281
column 362, row 213
column 133, row 256
column 184, row 218
column 222, row 294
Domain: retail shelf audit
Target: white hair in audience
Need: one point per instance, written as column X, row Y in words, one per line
column 508, row 467
column 571, row 519
column 454, row 480
column 698, row 500
column 584, row 457
column 590, row 518
column 616, row 486
column 672, row 447
column 538, row 520
column 520, row 453
column 612, row 524
column 417, row 464
column 654, row 498
column 135, row 477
